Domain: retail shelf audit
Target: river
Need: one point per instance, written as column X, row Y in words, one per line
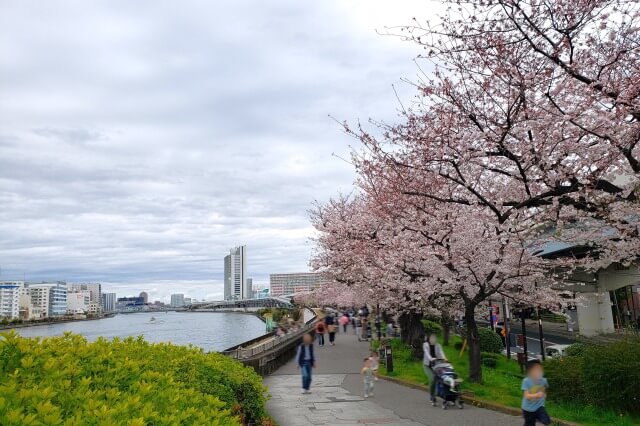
column 212, row 331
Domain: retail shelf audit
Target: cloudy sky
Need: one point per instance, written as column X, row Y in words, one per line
column 139, row 141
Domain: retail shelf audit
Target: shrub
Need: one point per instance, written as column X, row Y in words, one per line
column 611, row 374
column 490, row 362
column 577, row 349
column 489, row 355
column 431, row 327
column 601, row 375
column 457, row 346
column 67, row 379
column 490, row 341
column 565, row 379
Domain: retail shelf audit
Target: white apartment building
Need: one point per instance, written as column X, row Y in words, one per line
column 237, row 285
column 95, row 290
column 48, row 299
column 78, row 302
column 292, row 283
column 177, row 300
column 10, row 299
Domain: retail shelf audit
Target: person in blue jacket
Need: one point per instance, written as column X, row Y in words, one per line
column 306, row 361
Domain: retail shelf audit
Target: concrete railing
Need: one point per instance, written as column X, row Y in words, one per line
column 272, row 342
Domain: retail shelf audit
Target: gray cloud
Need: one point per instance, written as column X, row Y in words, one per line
column 140, row 140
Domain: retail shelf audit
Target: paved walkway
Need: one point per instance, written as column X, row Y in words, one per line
column 337, row 390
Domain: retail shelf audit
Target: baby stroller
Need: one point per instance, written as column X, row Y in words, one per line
column 447, row 385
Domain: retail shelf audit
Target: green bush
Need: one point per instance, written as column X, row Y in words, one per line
column 69, row 380
column 457, row 346
column 611, row 374
column 490, row 362
column 576, row 349
column 490, row 341
column 489, row 355
column 602, row 375
column 565, row 378
column 431, row 327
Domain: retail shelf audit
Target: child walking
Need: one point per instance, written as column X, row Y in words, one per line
column 534, row 388
column 367, row 372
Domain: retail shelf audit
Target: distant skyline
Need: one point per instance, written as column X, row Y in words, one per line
column 140, row 141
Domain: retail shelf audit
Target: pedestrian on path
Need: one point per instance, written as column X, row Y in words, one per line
column 534, row 388
column 432, row 353
column 367, row 372
column 321, row 328
column 332, row 328
column 365, row 329
column 358, row 325
column 344, row 322
column 306, row 362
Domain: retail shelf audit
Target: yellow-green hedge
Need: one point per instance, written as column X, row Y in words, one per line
column 69, row 381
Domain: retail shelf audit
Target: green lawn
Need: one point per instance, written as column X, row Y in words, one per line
column 502, row 385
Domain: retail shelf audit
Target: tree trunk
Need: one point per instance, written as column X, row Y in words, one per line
column 473, row 343
column 411, row 327
column 446, row 329
column 412, row 332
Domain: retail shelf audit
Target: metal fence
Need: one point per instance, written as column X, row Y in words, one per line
column 242, row 353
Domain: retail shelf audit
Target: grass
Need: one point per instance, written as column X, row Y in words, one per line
column 501, row 385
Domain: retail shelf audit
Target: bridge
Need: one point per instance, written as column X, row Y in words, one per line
column 243, row 305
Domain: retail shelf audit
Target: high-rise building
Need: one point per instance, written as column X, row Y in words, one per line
column 144, row 296
column 108, row 302
column 48, row 299
column 10, row 299
column 237, row 285
column 292, row 283
column 177, row 300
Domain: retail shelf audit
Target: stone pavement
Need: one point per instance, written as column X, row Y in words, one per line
column 337, row 390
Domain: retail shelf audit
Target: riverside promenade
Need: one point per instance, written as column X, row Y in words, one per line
column 337, row 396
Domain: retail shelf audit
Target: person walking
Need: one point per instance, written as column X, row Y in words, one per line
column 344, row 322
column 321, row 328
column 432, row 354
column 332, row 328
column 534, row 393
column 306, row 361
column 365, row 329
column 367, row 372
column 359, row 328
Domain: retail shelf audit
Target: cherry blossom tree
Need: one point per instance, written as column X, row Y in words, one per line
column 529, row 122
column 409, row 254
column 532, row 109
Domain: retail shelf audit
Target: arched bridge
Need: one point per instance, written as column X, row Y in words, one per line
column 246, row 304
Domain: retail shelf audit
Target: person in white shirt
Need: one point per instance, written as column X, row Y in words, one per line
column 432, row 354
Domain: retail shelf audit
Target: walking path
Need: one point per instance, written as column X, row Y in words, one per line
column 337, row 390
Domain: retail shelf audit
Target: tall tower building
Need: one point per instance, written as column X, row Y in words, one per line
column 236, row 284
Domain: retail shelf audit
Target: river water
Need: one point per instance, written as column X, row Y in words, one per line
column 212, row 331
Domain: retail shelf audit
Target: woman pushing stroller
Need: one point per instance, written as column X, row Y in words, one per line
column 433, row 354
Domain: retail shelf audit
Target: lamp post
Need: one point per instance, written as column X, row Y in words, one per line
column 524, row 335
column 507, row 330
column 541, row 335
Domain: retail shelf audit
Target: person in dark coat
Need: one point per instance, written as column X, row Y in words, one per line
column 306, row 361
